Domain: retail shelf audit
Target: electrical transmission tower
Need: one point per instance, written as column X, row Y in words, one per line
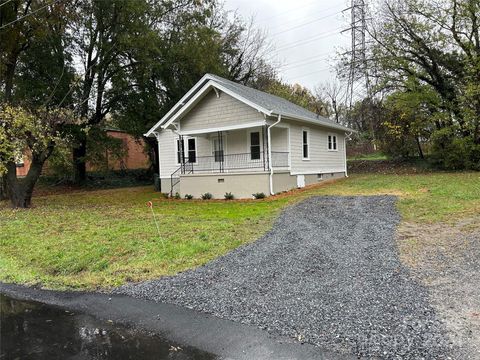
column 358, row 69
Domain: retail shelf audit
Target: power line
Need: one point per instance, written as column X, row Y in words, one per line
column 5, row 3
column 29, row 14
column 305, row 24
column 303, row 64
column 308, row 58
column 309, row 40
column 313, row 72
column 299, row 20
column 295, row 9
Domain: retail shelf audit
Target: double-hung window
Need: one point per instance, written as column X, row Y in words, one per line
column 189, row 153
column 192, row 150
column 332, row 142
column 305, row 144
column 255, row 145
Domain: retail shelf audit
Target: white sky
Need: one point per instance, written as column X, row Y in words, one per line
column 305, row 35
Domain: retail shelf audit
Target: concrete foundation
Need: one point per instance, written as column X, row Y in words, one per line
column 241, row 185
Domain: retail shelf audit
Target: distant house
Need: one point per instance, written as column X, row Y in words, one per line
column 225, row 137
column 135, row 156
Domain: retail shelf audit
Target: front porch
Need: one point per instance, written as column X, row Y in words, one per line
column 245, row 151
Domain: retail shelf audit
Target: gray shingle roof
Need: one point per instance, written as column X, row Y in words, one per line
column 275, row 104
column 271, row 104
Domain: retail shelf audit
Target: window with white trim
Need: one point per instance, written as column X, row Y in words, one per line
column 254, row 145
column 305, row 144
column 189, row 151
column 192, row 150
column 332, row 142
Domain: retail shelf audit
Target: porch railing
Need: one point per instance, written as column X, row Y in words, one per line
column 230, row 163
column 237, row 162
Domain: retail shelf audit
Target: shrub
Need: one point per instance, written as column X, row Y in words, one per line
column 454, row 153
column 260, row 195
column 228, row 196
column 188, row 196
column 165, row 195
column 177, row 196
column 207, row 196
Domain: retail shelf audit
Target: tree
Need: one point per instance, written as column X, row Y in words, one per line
column 332, row 90
column 36, row 132
column 298, row 95
column 105, row 31
column 34, row 66
column 139, row 58
column 435, row 45
column 191, row 41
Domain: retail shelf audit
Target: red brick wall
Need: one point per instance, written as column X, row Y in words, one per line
column 135, row 158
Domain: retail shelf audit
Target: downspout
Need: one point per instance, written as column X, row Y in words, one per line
column 269, row 138
column 347, row 135
column 157, row 136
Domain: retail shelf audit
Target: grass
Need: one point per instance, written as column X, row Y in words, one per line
column 100, row 239
column 372, row 156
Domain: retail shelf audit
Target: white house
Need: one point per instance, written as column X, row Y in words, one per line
column 226, row 137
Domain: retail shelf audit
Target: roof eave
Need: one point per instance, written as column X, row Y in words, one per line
column 316, row 122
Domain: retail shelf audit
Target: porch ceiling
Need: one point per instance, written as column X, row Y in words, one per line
column 222, row 128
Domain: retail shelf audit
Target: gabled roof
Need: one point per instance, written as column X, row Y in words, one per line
column 262, row 101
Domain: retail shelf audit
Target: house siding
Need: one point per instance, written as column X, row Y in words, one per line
column 168, row 151
column 212, row 111
column 321, row 160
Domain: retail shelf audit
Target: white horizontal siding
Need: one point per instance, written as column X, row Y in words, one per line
column 168, row 151
column 320, row 158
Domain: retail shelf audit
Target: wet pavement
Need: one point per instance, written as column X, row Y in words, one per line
column 31, row 330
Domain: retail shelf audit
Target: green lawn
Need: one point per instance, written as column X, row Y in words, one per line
column 372, row 156
column 100, row 239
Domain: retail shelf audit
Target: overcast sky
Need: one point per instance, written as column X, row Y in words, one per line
column 305, row 34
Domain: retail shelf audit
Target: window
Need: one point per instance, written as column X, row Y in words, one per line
column 180, row 148
column 305, row 139
column 332, row 142
column 218, row 149
column 192, row 150
column 189, row 153
column 254, row 145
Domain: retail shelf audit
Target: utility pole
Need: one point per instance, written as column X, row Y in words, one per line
column 358, row 60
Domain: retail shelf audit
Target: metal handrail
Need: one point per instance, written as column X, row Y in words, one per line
column 229, row 162
column 239, row 161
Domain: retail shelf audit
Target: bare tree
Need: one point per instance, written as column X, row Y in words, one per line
column 332, row 91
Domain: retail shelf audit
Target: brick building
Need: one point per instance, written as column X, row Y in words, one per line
column 135, row 156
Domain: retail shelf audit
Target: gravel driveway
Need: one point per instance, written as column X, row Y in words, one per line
column 328, row 273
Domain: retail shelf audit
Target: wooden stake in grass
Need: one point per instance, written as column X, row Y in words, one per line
column 150, row 205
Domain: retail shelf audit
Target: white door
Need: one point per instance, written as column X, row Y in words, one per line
column 300, row 181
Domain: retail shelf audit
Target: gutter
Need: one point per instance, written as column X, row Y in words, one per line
column 269, row 137
column 157, row 136
column 347, row 135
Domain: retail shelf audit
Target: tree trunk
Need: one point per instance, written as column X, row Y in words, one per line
column 79, row 164
column 20, row 190
column 420, row 151
column 3, row 187
column 153, row 152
